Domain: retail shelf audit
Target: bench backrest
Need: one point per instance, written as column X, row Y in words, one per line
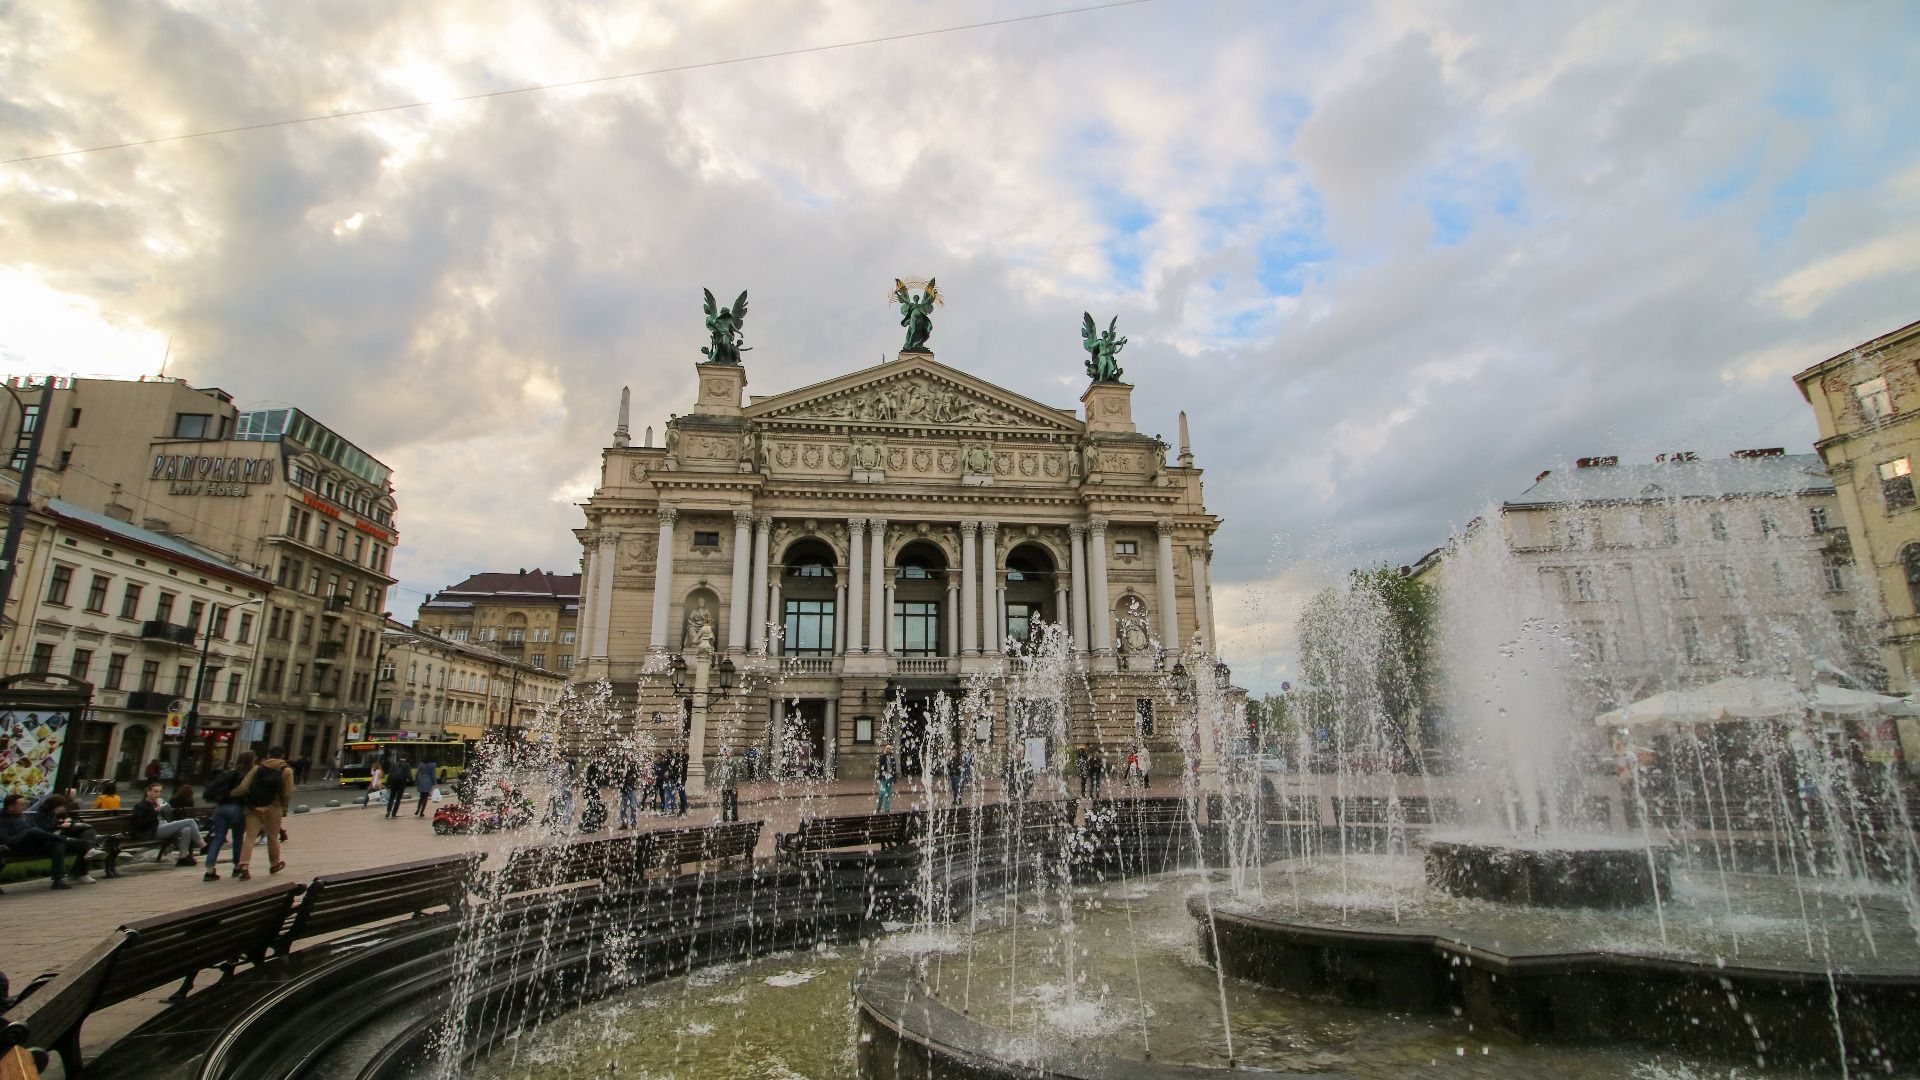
column 1128, row 812
column 105, row 822
column 339, row 901
column 672, row 848
column 570, row 862
column 857, row 830
column 55, row 1008
column 168, row 948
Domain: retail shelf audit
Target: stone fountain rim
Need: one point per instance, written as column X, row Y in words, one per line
column 1564, row 844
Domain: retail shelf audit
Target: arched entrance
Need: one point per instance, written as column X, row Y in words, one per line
column 919, row 628
column 1032, row 578
column 808, row 617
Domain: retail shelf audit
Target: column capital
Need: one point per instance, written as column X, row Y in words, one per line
column 969, row 528
column 607, row 538
column 989, row 526
column 742, row 518
column 857, row 524
column 666, row 514
column 1077, row 530
column 1097, row 524
column 763, row 521
column 1163, row 527
column 877, row 523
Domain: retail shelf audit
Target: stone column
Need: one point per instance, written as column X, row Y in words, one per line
column 1100, row 608
column 662, row 581
column 757, row 592
column 777, row 739
column 606, row 563
column 877, row 597
column 840, row 618
column 740, row 592
column 1079, row 533
column 993, row 634
column 969, row 610
column 999, row 612
column 886, row 636
column 1163, row 574
column 776, row 644
column 590, row 564
column 833, row 737
column 953, row 620
column 856, row 581
column 1203, row 598
column 1059, row 599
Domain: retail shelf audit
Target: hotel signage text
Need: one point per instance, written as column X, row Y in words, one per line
column 196, row 475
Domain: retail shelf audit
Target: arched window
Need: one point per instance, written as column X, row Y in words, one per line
column 1910, row 562
column 807, row 616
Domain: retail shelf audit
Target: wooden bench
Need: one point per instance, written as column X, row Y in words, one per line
column 1131, row 812
column 341, row 901
column 858, row 830
column 1378, row 809
column 570, row 862
column 143, row 956
column 673, row 848
column 114, row 829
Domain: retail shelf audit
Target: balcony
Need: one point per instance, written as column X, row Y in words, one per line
column 148, row 701
column 338, row 602
column 807, row 665
column 329, row 651
column 921, row 665
column 155, row 630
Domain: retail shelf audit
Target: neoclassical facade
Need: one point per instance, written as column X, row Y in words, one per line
column 883, row 536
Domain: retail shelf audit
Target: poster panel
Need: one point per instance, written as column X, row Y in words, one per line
column 31, row 746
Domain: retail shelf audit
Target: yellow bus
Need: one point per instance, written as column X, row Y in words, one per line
column 449, row 757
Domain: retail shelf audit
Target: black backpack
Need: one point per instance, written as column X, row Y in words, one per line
column 265, row 789
column 220, row 788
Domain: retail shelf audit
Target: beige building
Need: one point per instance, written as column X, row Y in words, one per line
column 531, row 616
column 272, row 491
column 1681, row 570
column 430, row 686
column 880, row 537
column 129, row 611
column 1867, row 403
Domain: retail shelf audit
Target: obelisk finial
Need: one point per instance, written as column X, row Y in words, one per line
column 1186, row 444
column 621, row 436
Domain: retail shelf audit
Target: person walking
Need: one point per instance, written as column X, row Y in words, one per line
column 1080, row 764
column 397, row 780
column 955, row 765
column 424, row 779
column 629, row 782
column 680, row 780
column 229, row 816
column 46, row 831
column 267, row 793
column 153, row 820
column 729, row 785
column 1146, row 768
column 883, row 774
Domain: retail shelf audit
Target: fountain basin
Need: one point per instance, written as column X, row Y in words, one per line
column 1572, row 871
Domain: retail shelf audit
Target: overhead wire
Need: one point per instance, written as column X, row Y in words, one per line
column 537, row 88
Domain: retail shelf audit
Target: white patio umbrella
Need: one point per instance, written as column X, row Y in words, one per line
column 1744, row 698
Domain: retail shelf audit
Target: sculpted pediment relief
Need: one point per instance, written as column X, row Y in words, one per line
column 912, row 396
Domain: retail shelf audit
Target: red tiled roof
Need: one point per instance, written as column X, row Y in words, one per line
column 535, row 582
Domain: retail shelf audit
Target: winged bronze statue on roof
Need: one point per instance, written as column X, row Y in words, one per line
column 1103, row 348
column 724, row 323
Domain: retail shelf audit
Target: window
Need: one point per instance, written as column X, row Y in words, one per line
column 359, row 548
column 58, row 584
column 306, row 629
column 299, row 680
column 1143, row 716
column 246, row 627
column 1020, row 619
column 320, row 534
column 1781, row 583
column 233, row 687
column 814, row 569
column 333, row 587
column 1677, row 573
column 1910, row 562
column 293, row 521
column 542, row 634
column 538, row 660
column 1126, row 547
column 1769, row 526
column 1876, row 401
column 566, row 637
column 42, row 656
column 1896, row 484
column 313, row 581
column 97, row 593
column 703, row 539
column 130, row 601
column 150, row 676
column 192, row 425
column 1593, row 640
column 457, row 635
column 1741, row 639
column 181, row 675
column 1670, row 528
column 195, row 609
column 1583, row 584
column 1576, row 532
column 916, row 627
column 373, row 599
column 1729, row 581
column 163, row 609
column 218, row 624
column 809, row 628
column 516, row 636
column 566, row 661
column 1817, row 516
column 81, row 664
column 1717, row 525
column 116, row 670
column 1835, row 574
column 1691, row 645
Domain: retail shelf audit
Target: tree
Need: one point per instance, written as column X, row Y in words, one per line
column 1366, row 658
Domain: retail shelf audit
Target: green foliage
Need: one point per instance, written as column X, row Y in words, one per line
column 1367, row 655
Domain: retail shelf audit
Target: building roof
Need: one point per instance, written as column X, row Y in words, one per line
column 160, row 543
column 1891, row 337
column 536, row 583
column 1704, row 478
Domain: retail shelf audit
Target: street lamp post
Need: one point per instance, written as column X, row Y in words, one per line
column 199, row 683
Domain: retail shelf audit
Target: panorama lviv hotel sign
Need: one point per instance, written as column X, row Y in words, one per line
column 193, row 474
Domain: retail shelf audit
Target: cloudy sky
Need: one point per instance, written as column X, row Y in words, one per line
column 1394, row 259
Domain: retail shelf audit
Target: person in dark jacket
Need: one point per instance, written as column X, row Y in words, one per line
column 424, row 778
column 42, row 834
column 397, row 780
column 153, row 819
column 629, row 790
column 229, row 814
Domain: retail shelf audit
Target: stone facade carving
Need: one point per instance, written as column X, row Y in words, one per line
column 637, row 549
column 914, row 400
column 699, row 631
column 979, row 459
column 868, row 456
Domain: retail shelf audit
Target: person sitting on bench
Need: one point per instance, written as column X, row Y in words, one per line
column 152, row 821
column 41, row 834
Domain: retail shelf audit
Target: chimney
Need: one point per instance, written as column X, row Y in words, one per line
column 1544, row 473
column 1764, row 452
column 1606, row 462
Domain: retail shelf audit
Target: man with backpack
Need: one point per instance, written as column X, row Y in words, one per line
column 229, row 816
column 267, row 793
column 397, row 780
